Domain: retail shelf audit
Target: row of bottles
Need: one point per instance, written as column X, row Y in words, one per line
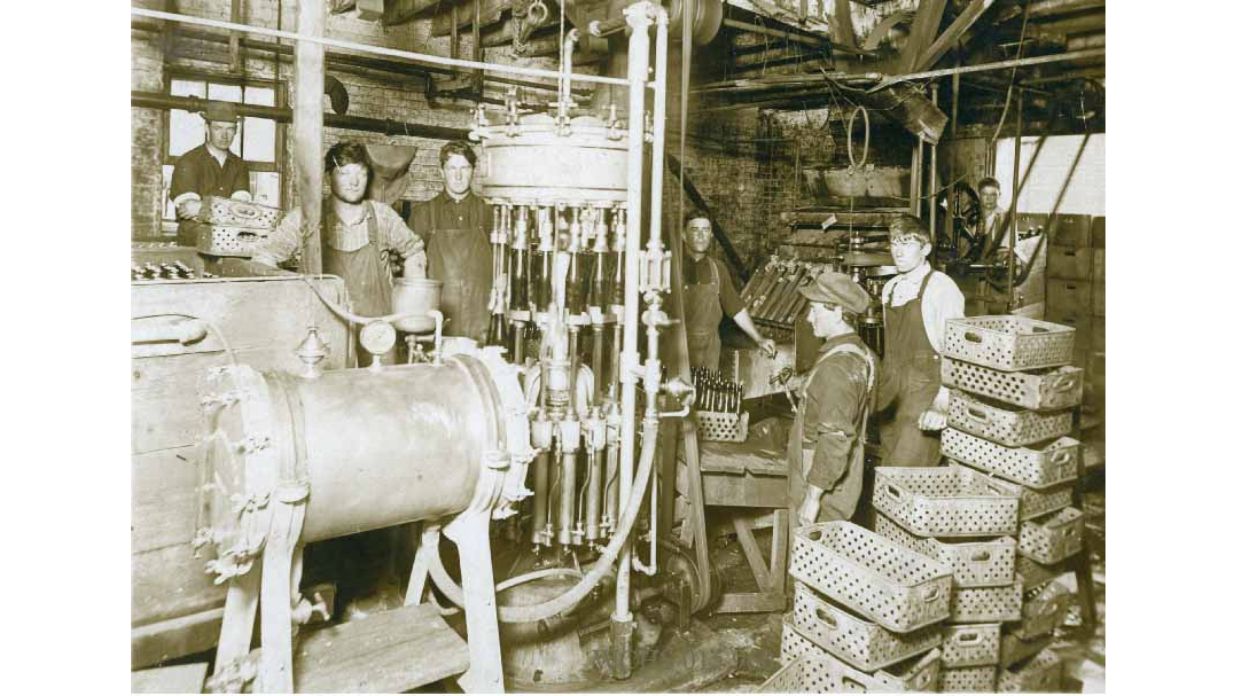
column 715, row 393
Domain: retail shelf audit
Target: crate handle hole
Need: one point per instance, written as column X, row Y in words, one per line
column 968, row 638
column 825, row 617
column 1065, row 384
column 815, row 535
column 981, row 556
column 852, row 685
column 892, row 491
column 976, row 414
column 973, row 337
column 931, row 595
column 1061, row 456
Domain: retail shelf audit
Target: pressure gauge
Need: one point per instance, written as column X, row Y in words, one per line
column 377, row 337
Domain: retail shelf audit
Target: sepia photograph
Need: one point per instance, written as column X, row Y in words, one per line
column 634, row 346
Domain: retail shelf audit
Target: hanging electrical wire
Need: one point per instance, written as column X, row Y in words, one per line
column 1008, row 97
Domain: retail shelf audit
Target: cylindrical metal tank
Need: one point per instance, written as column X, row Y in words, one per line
column 376, row 448
column 536, row 165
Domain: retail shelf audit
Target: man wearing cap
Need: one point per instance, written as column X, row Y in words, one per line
column 918, row 303
column 708, row 294
column 209, row 169
column 826, row 443
column 455, row 225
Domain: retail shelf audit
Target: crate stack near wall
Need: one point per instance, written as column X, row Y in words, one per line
column 868, row 614
column 1076, row 297
column 1010, row 411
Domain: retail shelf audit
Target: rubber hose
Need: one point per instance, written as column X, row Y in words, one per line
column 568, row 599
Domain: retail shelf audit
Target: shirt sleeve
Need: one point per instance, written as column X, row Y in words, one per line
column 397, row 236
column 731, row 303
column 185, row 178
column 838, row 398
column 943, row 301
column 282, row 241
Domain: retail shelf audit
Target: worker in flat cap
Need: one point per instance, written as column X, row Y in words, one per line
column 826, row 443
column 709, row 295
column 918, row 303
column 210, row 169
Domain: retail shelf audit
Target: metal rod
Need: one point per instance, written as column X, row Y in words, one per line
column 365, row 48
column 1012, row 235
column 777, row 33
column 931, row 176
column 307, row 129
column 156, row 100
column 999, row 65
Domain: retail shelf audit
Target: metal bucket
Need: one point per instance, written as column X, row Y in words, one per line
column 416, row 297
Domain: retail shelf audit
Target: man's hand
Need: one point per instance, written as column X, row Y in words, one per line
column 768, row 347
column 189, row 208
column 932, row 420
column 810, row 509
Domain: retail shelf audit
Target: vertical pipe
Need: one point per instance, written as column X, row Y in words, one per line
column 1011, row 227
column 307, row 128
column 637, row 74
column 540, row 493
column 931, row 177
column 916, row 176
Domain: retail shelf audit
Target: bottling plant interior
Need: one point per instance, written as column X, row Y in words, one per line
column 618, row 345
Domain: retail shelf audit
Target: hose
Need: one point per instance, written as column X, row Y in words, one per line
column 849, row 136
column 568, row 599
column 227, row 347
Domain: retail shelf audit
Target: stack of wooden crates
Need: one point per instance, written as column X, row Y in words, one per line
column 1014, row 393
column 1076, row 297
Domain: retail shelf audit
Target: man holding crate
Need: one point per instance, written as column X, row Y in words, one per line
column 826, row 443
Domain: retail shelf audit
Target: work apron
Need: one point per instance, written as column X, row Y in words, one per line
column 910, row 380
column 462, row 259
column 701, row 306
column 840, row 501
column 365, row 272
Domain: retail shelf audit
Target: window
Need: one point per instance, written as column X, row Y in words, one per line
column 259, row 141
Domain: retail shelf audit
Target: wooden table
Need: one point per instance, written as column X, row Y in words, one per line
column 742, row 475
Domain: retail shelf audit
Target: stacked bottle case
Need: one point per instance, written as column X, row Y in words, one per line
column 868, row 613
column 1011, row 408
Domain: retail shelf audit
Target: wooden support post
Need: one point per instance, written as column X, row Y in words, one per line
column 239, row 613
column 949, row 37
column 425, row 552
column 275, row 666
column 470, row 532
column 922, row 32
column 307, row 128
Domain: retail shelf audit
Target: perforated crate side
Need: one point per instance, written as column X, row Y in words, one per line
column 1042, row 390
column 987, row 563
column 887, row 583
column 985, row 604
column 944, row 502
column 228, row 212
column 1035, row 574
column 1052, row 539
column 1041, row 673
column 1007, row 426
column 1038, row 467
column 967, row 679
column 1015, row 648
column 970, row 645
column 721, row 426
column 806, row 675
column 1032, row 502
column 219, row 240
column 919, row 673
column 861, row 643
column 1008, row 342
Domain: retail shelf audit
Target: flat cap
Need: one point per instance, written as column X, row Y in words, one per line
column 831, row 287
column 220, row 111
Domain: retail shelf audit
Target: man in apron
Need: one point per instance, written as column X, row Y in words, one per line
column 210, row 169
column 918, row 303
column 709, row 294
column 830, row 427
column 455, row 225
column 358, row 236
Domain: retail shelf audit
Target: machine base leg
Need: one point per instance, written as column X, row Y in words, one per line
column 621, row 647
column 425, row 552
column 470, row 532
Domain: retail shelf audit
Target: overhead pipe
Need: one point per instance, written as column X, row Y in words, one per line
column 157, row 100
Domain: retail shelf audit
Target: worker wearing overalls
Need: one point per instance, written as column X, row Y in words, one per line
column 826, row 442
column 358, row 237
column 708, row 295
column 455, row 225
column 918, row 303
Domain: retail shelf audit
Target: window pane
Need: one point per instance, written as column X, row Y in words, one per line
column 265, row 188
column 188, row 130
column 264, row 96
column 169, row 210
column 189, row 88
column 259, row 140
column 224, row 92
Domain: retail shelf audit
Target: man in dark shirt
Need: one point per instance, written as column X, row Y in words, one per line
column 209, row 169
column 708, row 293
column 455, row 225
column 826, row 443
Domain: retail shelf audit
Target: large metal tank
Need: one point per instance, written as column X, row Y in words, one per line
column 376, row 448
